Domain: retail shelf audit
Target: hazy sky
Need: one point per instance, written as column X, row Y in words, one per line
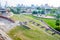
column 55, row 3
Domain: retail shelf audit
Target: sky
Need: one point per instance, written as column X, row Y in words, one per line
column 55, row 3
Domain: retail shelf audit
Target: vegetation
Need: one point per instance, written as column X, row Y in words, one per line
column 38, row 12
column 58, row 18
column 53, row 11
column 33, row 33
column 21, row 33
column 16, row 11
column 42, row 12
column 50, row 14
column 12, row 10
column 34, row 12
column 50, row 22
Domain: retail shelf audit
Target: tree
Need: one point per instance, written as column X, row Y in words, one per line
column 53, row 11
column 15, row 10
column 57, row 18
column 39, row 11
column 18, row 10
column 12, row 10
column 42, row 12
column 34, row 12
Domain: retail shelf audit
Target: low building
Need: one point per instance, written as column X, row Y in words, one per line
column 4, row 12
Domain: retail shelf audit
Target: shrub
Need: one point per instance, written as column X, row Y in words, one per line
column 58, row 29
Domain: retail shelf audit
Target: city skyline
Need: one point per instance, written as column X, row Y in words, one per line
column 55, row 3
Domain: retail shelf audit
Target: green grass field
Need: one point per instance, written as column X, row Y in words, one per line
column 51, row 14
column 34, row 33
column 20, row 33
column 50, row 22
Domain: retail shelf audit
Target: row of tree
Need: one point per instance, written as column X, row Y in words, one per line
column 57, row 17
column 17, row 11
column 38, row 12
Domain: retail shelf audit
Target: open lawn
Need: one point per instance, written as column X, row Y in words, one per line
column 50, row 22
column 34, row 33
column 51, row 14
column 21, row 33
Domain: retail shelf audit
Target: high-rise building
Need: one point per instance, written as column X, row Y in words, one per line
column 0, row 5
column 6, row 4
